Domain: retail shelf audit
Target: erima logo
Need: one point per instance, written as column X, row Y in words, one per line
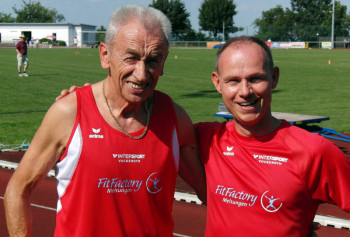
column 229, row 151
column 96, row 135
column 96, row 130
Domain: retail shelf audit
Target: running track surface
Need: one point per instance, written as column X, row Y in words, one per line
column 189, row 218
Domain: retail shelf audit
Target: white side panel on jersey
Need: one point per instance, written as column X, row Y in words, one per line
column 176, row 149
column 66, row 168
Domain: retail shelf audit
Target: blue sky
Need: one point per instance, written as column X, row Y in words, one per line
column 97, row 12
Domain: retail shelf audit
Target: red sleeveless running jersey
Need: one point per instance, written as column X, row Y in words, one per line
column 111, row 185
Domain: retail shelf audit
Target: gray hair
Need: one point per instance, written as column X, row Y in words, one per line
column 245, row 39
column 122, row 15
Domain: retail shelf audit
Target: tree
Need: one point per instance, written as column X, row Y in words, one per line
column 176, row 12
column 6, row 18
column 34, row 12
column 341, row 20
column 101, row 36
column 304, row 21
column 213, row 14
column 276, row 24
column 310, row 17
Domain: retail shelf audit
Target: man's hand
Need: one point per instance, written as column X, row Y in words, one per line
column 66, row 92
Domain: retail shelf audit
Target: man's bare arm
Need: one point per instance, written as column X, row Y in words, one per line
column 191, row 168
column 46, row 147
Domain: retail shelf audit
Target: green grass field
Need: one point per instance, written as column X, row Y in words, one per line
column 308, row 85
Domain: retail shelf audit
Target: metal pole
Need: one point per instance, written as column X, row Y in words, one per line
column 223, row 30
column 333, row 24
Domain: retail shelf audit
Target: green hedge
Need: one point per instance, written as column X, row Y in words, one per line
column 56, row 43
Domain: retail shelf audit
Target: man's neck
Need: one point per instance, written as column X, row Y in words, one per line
column 263, row 127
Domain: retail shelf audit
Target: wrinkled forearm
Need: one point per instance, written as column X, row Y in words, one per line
column 18, row 215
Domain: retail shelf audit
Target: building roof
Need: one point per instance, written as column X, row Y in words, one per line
column 45, row 24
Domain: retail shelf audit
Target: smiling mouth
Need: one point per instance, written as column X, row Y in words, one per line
column 136, row 86
column 245, row 104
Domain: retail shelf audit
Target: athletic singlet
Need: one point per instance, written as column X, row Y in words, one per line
column 112, row 185
column 272, row 185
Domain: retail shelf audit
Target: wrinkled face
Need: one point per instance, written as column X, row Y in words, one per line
column 245, row 82
column 135, row 61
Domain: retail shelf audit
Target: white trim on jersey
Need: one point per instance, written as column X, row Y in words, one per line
column 66, row 168
column 176, row 149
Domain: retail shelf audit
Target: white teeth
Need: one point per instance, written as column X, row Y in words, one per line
column 246, row 104
column 136, row 86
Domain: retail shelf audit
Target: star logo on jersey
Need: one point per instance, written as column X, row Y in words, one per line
column 153, row 184
column 270, row 203
column 229, row 151
column 96, row 134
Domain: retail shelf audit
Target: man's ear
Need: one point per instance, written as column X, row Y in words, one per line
column 275, row 77
column 216, row 81
column 104, row 56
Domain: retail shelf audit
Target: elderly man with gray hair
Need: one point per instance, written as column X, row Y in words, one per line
column 117, row 145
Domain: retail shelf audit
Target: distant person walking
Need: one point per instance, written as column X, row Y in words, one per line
column 22, row 58
column 76, row 45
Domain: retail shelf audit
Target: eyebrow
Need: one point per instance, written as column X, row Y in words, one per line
column 258, row 74
column 154, row 53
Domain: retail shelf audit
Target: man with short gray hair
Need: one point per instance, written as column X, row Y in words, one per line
column 118, row 144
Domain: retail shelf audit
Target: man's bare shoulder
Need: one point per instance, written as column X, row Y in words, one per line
column 180, row 112
column 62, row 114
column 66, row 105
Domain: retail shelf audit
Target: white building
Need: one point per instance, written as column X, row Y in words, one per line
column 10, row 32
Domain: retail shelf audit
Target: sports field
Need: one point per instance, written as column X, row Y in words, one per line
column 308, row 84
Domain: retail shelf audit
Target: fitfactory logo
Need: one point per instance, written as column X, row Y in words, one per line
column 124, row 186
column 270, row 203
column 96, row 134
column 229, row 151
column 152, row 182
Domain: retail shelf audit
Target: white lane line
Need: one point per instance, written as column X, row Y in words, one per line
column 39, row 206
column 180, row 235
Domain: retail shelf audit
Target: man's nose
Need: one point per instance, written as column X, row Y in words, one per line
column 245, row 88
column 141, row 71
